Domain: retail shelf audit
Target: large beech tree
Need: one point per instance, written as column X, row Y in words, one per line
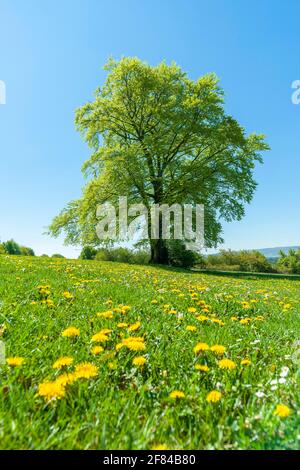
column 158, row 137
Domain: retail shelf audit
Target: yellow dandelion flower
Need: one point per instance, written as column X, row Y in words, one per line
column 122, row 325
column 176, row 394
column 191, row 328
column 159, row 447
column 154, row 301
column 136, row 346
column 192, row 310
column 218, row 349
column 202, row 368
column 245, row 362
column 245, row 321
column 234, row 318
column 134, row 326
column 201, row 347
column 86, row 370
column 65, row 379
column 51, row 390
column 100, row 338
column 15, row 361
column 226, row 364
column 139, row 361
column 107, row 314
column 214, row 396
column 70, row 332
column 97, row 350
column 282, row 411
column 68, row 295
column 62, row 362
column 202, row 318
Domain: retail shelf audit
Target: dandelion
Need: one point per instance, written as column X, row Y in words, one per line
column 214, row 396
column 192, row 310
column 218, row 349
column 15, row 361
column 245, row 362
column 191, row 328
column 51, row 390
column 107, row 314
column 201, row 347
column 71, row 332
column 202, row 367
column 134, row 326
column 86, row 370
column 177, row 394
column 159, row 447
column 62, row 362
column 139, row 361
column 226, row 364
column 122, row 325
column 100, row 338
column 282, row 411
column 68, row 295
column 97, row 350
column 65, row 379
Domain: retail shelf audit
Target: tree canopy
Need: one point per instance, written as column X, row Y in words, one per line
column 158, row 137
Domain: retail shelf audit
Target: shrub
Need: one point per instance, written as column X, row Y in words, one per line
column 179, row 255
column 57, row 255
column 12, row 248
column 289, row 262
column 88, row 252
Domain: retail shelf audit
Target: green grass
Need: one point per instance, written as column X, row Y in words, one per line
column 128, row 407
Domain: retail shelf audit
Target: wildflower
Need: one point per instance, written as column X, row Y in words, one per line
column 214, row 396
column 136, row 346
column 97, row 350
column 159, row 447
column 65, row 379
column 201, row 347
column 202, row 318
column 100, row 338
column 134, row 326
column 218, row 349
column 245, row 362
column 51, row 390
column 85, row 370
column 202, row 368
column 68, row 295
column 122, row 325
column 245, row 321
column 176, row 394
column 192, row 310
column 15, row 361
column 227, row 364
column 154, row 301
column 71, row 332
column 191, row 328
column 62, row 362
column 282, row 411
column 139, row 361
column 107, row 314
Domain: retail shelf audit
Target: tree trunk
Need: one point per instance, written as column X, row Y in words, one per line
column 159, row 252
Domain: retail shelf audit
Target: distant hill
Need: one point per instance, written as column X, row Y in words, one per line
column 274, row 252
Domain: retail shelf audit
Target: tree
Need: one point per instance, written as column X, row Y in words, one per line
column 57, row 255
column 12, row 248
column 289, row 262
column 88, row 252
column 158, row 137
column 25, row 251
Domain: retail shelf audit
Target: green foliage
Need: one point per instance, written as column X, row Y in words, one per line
column 180, row 256
column 57, row 255
column 25, row 251
column 158, row 137
column 2, row 249
column 290, row 262
column 122, row 255
column 12, row 248
column 252, row 261
column 88, row 252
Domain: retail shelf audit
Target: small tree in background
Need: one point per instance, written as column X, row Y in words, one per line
column 12, row 248
column 88, row 252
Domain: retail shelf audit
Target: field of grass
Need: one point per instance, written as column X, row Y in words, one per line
column 190, row 334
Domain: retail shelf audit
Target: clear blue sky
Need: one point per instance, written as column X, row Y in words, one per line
column 51, row 57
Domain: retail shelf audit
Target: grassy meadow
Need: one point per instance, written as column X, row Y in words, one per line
column 103, row 355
